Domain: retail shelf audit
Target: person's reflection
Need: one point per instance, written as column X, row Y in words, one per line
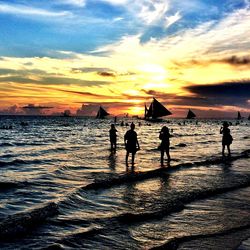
column 130, row 170
column 112, row 160
column 168, row 165
column 130, row 194
column 226, row 166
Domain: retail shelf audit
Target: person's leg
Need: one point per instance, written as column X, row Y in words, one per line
column 162, row 156
column 133, row 159
column 127, row 158
column 223, row 150
column 168, row 155
column 228, row 149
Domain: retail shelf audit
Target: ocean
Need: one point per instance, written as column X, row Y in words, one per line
column 62, row 188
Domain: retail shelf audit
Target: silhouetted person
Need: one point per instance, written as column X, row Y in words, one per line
column 113, row 137
column 131, row 143
column 164, row 137
column 226, row 138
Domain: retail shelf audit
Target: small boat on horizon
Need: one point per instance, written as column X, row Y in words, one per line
column 190, row 114
column 66, row 113
column 102, row 113
column 155, row 110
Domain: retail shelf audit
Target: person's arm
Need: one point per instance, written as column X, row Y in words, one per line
column 221, row 130
column 138, row 145
column 125, row 140
column 160, row 136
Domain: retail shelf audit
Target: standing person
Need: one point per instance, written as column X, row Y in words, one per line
column 164, row 137
column 227, row 139
column 113, row 137
column 131, row 143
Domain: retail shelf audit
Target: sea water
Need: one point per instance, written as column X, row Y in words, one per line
column 62, row 188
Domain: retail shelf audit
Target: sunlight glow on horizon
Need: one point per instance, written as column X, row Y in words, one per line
column 146, row 58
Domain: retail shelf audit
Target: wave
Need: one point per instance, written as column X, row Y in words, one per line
column 89, row 232
column 72, row 240
column 30, row 144
column 178, row 204
column 17, row 162
column 14, row 162
column 174, row 243
column 21, row 223
column 6, row 144
column 10, row 185
column 191, row 135
column 120, row 179
column 7, row 156
column 181, row 145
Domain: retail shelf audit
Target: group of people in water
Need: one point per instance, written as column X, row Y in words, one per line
column 132, row 145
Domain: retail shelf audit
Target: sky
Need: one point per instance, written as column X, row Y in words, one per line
column 79, row 54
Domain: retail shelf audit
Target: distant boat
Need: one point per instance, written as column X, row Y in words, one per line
column 101, row 113
column 239, row 117
column 155, row 110
column 190, row 114
column 66, row 113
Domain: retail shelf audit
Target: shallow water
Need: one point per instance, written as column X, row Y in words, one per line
column 57, row 159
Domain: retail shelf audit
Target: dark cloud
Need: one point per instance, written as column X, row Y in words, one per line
column 216, row 95
column 85, row 93
column 88, row 70
column 226, row 89
column 18, row 79
column 71, row 81
column 32, row 106
column 228, row 93
column 173, row 99
column 28, row 64
column 22, row 72
column 235, row 60
column 26, row 96
column 24, row 76
column 106, row 74
column 31, row 109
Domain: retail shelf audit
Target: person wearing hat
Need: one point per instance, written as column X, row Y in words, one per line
column 227, row 139
column 164, row 147
column 131, row 143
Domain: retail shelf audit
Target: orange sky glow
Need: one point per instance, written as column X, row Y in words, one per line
column 204, row 67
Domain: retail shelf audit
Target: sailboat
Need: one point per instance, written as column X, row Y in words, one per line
column 239, row 117
column 190, row 114
column 155, row 110
column 101, row 113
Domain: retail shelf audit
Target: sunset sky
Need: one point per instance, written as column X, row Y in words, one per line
column 121, row 53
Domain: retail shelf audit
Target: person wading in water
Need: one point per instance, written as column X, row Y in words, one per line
column 113, row 137
column 227, row 139
column 131, row 143
column 164, row 147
